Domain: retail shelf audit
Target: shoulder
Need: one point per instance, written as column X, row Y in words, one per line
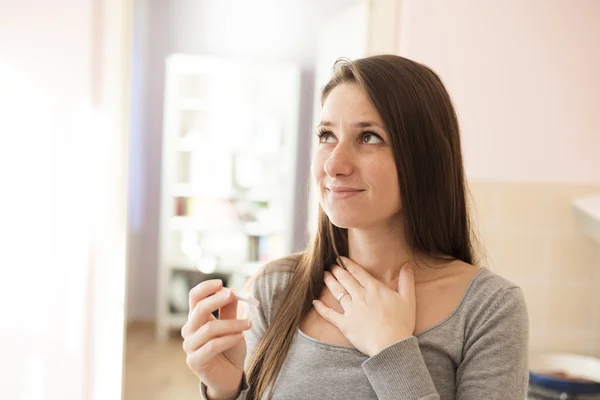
column 487, row 283
column 493, row 302
column 268, row 285
column 276, row 272
column 491, row 289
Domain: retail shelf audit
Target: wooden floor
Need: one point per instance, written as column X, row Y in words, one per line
column 156, row 371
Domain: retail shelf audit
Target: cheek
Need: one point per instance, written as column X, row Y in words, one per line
column 317, row 168
column 387, row 182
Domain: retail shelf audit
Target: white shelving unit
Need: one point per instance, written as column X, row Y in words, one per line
column 228, row 172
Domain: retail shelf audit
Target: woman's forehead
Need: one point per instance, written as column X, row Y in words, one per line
column 349, row 104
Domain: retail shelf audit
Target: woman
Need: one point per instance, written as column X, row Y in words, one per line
column 401, row 312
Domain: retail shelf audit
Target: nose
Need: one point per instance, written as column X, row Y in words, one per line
column 339, row 162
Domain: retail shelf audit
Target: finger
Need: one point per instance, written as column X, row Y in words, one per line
column 335, row 287
column 202, row 313
column 214, row 329
column 347, row 280
column 197, row 359
column 358, row 273
column 203, row 290
column 186, row 330
column 329, row 314
column 406, row 283
column 230, row 310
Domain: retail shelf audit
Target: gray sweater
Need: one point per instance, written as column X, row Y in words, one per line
column 478, row 352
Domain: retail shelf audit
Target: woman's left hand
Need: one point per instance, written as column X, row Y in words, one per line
column 375, row 316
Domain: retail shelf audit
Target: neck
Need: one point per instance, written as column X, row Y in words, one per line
column 383, row 250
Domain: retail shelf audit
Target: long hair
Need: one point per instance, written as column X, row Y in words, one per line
column 424, row 134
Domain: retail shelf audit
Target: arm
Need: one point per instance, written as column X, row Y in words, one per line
column 494, row 364
column 399, row 372
column 495, row 353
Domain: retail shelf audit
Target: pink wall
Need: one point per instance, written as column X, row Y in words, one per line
column 525, row 78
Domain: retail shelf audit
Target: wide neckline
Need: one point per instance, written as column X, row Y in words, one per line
column 426, row 331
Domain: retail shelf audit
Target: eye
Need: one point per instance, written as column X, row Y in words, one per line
column 324, row 135
column 371, row 138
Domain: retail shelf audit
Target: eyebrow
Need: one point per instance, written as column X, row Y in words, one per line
column 361, row 124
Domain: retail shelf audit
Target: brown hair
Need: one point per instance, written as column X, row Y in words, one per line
column 418, row 114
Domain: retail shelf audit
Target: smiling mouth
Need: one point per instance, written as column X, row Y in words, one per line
column 343, row 194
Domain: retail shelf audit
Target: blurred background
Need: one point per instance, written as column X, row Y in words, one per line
column 156, row 144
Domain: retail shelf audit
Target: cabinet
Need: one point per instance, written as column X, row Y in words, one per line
column 228, row 170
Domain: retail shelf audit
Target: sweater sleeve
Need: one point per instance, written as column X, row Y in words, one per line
column 399, row 372
column 494, row 364
column 495, row 354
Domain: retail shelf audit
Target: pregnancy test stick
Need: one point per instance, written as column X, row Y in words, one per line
column 246, row 298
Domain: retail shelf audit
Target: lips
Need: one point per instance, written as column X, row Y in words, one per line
column 343, row 189
column 340, row 192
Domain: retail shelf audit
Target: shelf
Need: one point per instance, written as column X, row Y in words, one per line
column 193, row 143
column 247, row 268
column 197, row 144
column 248, row 228
column 188, row 190
column 181, row 223
column 185, row 264
column 218, row 167
column 255, row 229
column 182, row 264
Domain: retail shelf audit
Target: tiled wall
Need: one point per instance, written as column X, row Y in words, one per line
column 529, row 235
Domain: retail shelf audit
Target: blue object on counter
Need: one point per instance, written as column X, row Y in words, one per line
column 563, row 386
column 573, row 365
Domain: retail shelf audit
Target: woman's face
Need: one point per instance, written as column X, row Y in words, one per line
column 354, row 166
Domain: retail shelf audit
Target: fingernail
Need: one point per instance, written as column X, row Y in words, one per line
column 409, row 268
column 314, row 302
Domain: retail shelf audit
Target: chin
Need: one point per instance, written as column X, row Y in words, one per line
column 356, row 219
column 347, row 221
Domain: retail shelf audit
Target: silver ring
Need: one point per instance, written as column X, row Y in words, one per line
column 341, row 295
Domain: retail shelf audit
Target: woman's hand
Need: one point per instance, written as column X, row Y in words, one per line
column 375, row 316
column 215, row 348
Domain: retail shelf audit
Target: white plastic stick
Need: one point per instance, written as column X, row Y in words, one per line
column 246, row 298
